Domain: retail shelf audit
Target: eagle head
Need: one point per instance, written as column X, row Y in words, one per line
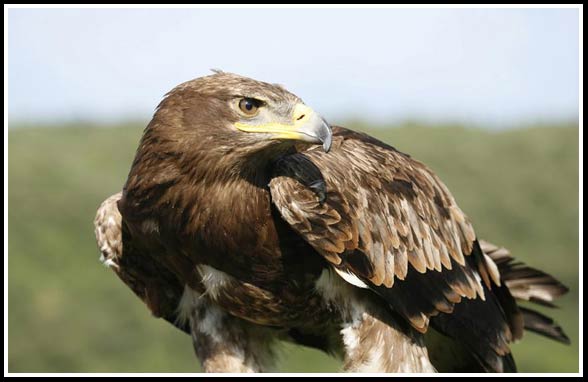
column 229, row 113
column 213, row 130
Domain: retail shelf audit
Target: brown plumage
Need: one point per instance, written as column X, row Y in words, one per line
column 234, row 227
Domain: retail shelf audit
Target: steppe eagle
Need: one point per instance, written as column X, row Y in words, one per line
column 247, row 219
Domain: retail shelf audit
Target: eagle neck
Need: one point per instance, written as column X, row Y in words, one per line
column 246, row 164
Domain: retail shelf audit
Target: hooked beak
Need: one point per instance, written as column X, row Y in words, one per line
column 306, row 126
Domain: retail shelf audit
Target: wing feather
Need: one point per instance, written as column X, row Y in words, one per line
column 157, row 287
column 390, row 223
column 397, row 215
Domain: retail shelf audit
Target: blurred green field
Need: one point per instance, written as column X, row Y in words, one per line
column 68, row 313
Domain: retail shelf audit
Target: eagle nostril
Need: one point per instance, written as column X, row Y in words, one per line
column 299, row 118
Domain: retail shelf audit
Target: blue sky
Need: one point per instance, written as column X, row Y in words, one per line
column 494, row 67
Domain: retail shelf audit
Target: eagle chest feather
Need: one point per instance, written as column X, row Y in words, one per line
column 243, row 255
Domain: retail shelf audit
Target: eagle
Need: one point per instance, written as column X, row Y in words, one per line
column 247, row 219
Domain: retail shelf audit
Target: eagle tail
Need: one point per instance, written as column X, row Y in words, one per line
column 529, row 284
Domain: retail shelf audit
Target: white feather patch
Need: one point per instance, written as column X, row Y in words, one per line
column 186, row 306
column 214, row 281
column 110, row 263
column 211, row 324
column 351, row 278
column 340, row 294
column 331, row 287
column 350, row 336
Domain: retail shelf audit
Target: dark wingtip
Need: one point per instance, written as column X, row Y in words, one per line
column 544, row 325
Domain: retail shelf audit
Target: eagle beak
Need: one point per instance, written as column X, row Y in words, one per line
column 306, row 126
column 326, row 137
column 311, row 127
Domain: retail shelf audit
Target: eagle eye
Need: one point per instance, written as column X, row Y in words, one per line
column 249, row 106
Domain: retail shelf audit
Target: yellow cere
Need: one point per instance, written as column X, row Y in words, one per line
column 300, row 116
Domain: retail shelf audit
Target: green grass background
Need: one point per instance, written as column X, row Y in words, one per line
column 68, row 313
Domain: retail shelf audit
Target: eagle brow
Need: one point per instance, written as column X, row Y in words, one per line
column 258, row 102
